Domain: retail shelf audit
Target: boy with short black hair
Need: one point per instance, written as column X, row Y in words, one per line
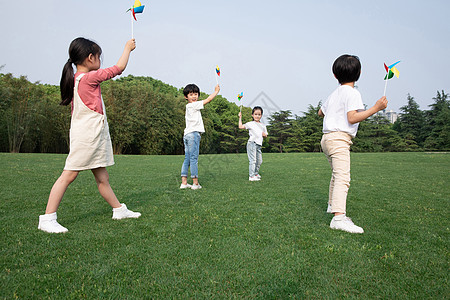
column 191, row 138
column 342, row 112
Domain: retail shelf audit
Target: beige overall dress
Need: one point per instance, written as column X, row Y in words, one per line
column 90, row 143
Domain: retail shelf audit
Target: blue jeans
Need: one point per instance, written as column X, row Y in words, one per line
column 254, row 158
column 191, row 151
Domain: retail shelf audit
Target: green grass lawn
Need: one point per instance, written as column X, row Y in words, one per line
column 234, row 238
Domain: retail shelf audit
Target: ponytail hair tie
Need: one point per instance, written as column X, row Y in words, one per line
column 69, row 61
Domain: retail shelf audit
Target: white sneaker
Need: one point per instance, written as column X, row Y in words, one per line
column 342, row 222
column 49, row 224
column 185, row 186
column 196, row 186
column 254, row 178
column 123, row 213
column 258, row 176
column 329, row 209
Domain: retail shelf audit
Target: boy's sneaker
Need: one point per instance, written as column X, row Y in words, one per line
column 49, row 224
column 258, row 176
column 196, row 186
column 329, row 209
column 254, row 178
column 185, row 186
column 342, row 222
column 123, row 213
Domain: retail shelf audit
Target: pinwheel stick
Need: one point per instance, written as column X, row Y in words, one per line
column 385, row 84
column 132, row 26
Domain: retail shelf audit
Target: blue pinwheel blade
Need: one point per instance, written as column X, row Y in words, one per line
column 390, row 67
column 139, row 9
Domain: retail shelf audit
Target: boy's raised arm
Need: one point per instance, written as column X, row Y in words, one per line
column 212, row 96
column 356, row 117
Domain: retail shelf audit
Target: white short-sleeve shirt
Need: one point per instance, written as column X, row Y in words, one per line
column 339, row 103
column 194, row 121
column 255, row 130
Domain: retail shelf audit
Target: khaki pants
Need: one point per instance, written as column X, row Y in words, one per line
column 336, row 146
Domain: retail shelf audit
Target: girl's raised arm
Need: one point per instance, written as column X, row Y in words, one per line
column 123, row 60
column 240, row 121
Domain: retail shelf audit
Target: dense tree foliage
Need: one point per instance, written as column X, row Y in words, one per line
column 438, row 123
column 280, row 130
column 146, row 116
column 411, row 122
column 30, row 118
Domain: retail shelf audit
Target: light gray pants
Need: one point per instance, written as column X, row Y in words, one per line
column 254, row 158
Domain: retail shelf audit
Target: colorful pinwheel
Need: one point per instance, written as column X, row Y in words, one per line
column 218, row 74
column 391, row 71
column 137, row 8
column 239, row 98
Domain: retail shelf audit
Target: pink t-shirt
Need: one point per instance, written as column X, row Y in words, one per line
column 89, row 87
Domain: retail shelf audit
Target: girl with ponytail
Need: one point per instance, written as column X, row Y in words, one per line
column 90, row 143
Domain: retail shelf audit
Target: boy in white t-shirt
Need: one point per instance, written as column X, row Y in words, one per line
column 342, row 112
column 257, row 132
column 191, row 138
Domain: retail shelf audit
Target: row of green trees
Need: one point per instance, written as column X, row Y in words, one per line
column 146, row 116
column 414, row 130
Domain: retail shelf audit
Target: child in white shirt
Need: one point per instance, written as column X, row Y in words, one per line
column 342, row 112
column 257, row 132
column 191, row 138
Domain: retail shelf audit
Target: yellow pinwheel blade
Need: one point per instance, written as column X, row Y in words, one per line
column 395, row 71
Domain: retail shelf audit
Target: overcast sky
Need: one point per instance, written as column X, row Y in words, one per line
column 282, row 48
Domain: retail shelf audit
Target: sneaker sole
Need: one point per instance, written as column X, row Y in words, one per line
column 116, row 218
column 335, row 228
column 52, row 231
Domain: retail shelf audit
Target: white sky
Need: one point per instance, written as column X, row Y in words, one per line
column 282, row 48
